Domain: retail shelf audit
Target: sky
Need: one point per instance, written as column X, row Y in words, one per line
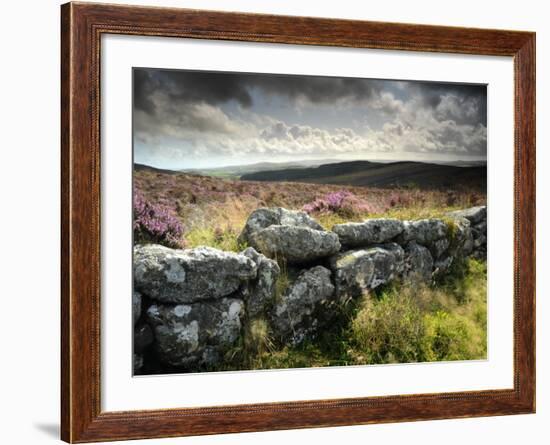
column 204, row 119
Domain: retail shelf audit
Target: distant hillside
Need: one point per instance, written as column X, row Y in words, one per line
column 236, row 171
column 148, row 168
column 376, row 174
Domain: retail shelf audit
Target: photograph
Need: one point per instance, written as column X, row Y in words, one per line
column 281, row 219
column 296, row 221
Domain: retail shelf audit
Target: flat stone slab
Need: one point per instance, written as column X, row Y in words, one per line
column 424, row 231
column 187, row 276
column 473, row 214
column 372, row 231
column 295, row 244
column 275, row 216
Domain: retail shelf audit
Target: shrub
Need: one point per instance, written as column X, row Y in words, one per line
column 450, row 336
column 256, row 342
column 390, row 330
column 223, row 239
column 342, row 202
column 466, row 280
column 251, row 348
column 156, row 223
column 408, row 323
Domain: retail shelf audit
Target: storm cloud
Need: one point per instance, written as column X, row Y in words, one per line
column 184, row 119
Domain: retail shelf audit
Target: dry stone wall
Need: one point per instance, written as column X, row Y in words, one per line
column 190, row 307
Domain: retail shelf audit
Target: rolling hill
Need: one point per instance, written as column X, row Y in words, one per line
column 236, row 171
column 148, row 168
column 376, row 174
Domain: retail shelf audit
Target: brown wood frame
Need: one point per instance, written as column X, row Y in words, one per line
column 82, row 25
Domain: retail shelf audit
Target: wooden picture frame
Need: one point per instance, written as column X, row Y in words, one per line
column 82, row 25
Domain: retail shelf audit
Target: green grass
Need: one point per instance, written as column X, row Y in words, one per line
column 444, row 321
column 329, row 219
column 219, row 239
column 416, row 212
column 283, row 280
column 389, row 329
column 226, row 238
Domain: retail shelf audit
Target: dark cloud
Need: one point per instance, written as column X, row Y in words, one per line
column 218, row 87
column 468, row 97
column 188, row 86
column 432, row 91
column 144, row 86
column 317, row 90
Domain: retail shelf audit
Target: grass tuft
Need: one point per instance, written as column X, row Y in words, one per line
column 445, row 321
column 396, row 324
column 217, row 238
column 390, row 330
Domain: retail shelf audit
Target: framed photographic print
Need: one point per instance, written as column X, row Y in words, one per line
column 275, row 222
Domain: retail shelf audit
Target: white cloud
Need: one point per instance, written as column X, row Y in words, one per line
column 457, row 109
column 182, row 131
column 388, row 104
column 415, row 127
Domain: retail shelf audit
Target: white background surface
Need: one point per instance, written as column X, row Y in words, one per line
column 29, row 222
column 121, row 392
